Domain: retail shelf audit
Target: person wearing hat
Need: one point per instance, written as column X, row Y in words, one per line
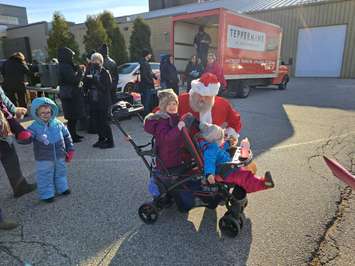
column 204, row 104
column 165, row 126
column 70, row 93
column 146, row 84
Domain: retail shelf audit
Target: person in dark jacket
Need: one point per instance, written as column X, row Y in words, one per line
column 8, row 155
column 14, row 72
column 146, row 84
column 98, row 84
column 111, row 66
column 202, row 43
column 168, row 74
column 70, row 94
column 193, row 70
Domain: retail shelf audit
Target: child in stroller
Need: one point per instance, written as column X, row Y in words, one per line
column 216, row 155
column 165, row 126
column 187, row 187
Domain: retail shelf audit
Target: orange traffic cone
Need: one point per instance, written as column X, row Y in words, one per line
column 340, row 172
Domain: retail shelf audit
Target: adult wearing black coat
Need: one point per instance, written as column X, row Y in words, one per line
column 97, row 84
column 193, row 70
column 70, row 94
column 168, row 74
column 14, row 72
column 111, row 66
column 146, row 84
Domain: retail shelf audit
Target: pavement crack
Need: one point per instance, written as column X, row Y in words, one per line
column 327, row 247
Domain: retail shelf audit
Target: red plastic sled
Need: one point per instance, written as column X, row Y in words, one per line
column 340, row 172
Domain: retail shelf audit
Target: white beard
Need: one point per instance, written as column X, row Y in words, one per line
column 206, row 117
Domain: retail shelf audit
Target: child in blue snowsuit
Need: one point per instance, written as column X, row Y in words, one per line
column 53, row 146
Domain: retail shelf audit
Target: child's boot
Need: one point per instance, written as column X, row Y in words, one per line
column 49, row 200
column 269, row 183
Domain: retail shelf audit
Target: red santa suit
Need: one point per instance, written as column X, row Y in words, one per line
column 221, row 113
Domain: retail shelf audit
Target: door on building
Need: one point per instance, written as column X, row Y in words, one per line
column 320, row 51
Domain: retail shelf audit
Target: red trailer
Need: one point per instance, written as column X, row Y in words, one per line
column 247, row 48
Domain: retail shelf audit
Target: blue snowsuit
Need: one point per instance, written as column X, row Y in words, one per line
column 51, row 142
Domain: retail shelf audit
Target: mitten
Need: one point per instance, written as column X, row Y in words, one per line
column 24, row 137
column 69, row 156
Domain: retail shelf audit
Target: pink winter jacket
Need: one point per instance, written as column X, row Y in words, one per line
column 168, row 138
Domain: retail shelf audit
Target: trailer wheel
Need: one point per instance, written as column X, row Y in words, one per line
column 283, row 84
column 243, row 91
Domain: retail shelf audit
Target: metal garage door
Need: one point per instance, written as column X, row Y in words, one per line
column 320, row 51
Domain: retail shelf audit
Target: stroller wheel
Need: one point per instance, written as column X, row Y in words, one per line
column 148, row 213
column 229, row 225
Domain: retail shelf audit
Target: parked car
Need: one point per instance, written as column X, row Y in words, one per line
column 129, row 76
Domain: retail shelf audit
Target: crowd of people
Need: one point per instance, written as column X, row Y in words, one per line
column 87, row 93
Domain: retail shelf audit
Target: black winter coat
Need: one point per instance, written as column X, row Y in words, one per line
column 111, row 66
column 147, row 76
column 192, row 71
column 14, row 72
column 97, row 85
column 169, row 75
column 69, row 77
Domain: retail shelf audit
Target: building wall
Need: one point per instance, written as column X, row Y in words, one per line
column 292, row 19
column 160, row 34
column 37, row 34
column 13, row 13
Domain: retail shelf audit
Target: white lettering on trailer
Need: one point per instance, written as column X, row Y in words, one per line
column 242, row 38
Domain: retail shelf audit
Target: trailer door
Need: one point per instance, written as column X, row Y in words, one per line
column 320, row 51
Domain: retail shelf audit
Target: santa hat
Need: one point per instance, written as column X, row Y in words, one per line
column 206, row 85
column 166, row 96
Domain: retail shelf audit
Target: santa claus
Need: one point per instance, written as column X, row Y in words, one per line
column 202, row 101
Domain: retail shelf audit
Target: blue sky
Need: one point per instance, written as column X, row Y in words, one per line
column 77, row 10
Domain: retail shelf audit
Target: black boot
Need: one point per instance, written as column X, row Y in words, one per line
column 106, row 145
column 24, row 188
column 67, row 192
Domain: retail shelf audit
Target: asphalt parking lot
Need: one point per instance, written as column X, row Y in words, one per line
column 292, row 224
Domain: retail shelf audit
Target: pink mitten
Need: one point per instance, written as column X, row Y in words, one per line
column 69, row 156
column 24, row 135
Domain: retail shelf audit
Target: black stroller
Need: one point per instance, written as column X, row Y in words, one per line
column 187, row 186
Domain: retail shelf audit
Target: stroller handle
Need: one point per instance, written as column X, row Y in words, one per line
column 137, row 148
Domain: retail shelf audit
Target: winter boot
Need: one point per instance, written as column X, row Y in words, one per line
column 23, row 188
column 269, row 183
column 49, row 200
column 7, row 225
column 66, row 193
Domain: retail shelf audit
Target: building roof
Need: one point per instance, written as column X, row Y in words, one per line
column 242, row 6
column 258, row 5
